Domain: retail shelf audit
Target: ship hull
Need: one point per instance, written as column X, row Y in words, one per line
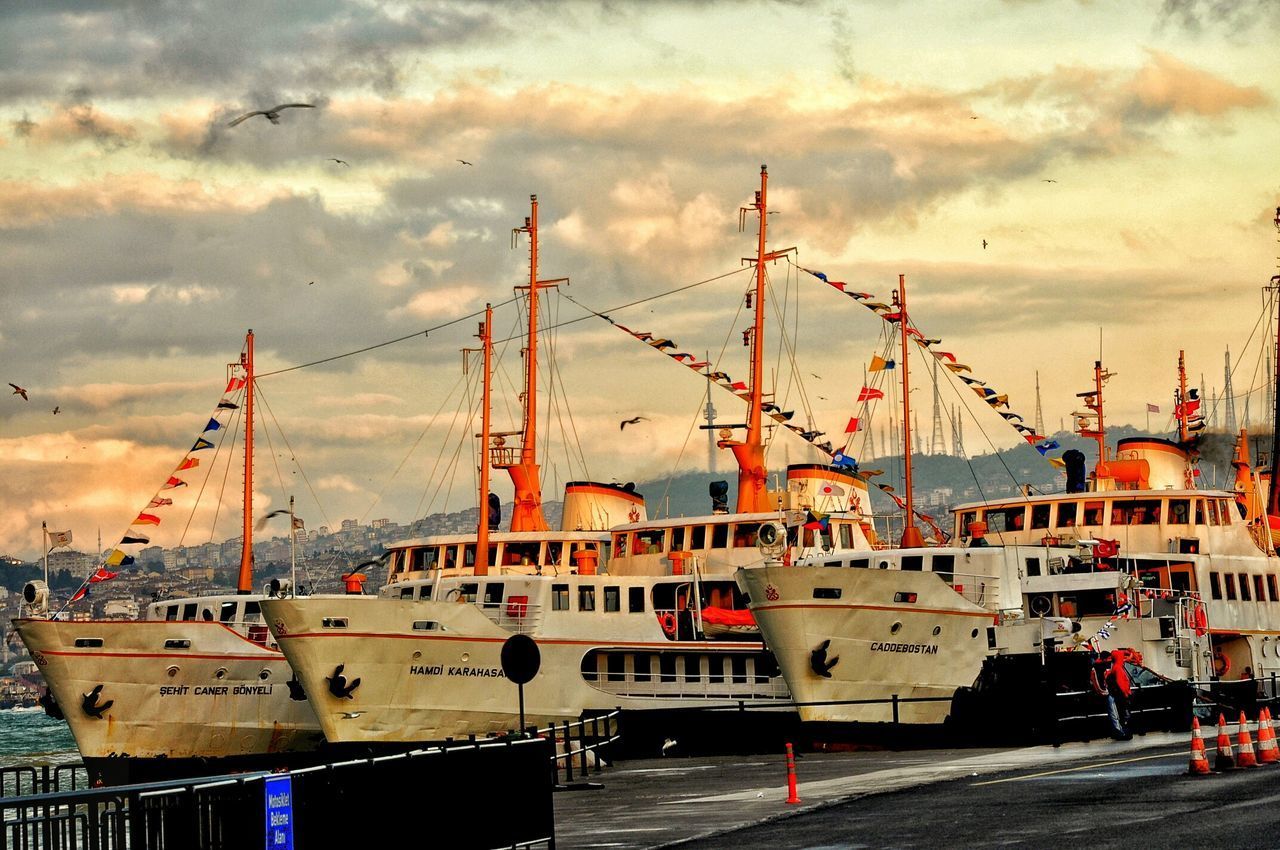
column 178, row 692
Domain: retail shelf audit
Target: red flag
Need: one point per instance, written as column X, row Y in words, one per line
column 189, row 463
column 868, row 393
column 102, row 575
column 233, row 385
column 80, row 594
column 173, row 481
column 738, row 385
column 159, row 502
column 146, row 519
column 852, row 426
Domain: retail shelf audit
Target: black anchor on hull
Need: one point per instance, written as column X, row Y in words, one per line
column 296, row 693
column 91, row 705
column 338, row 684
column 818, row 660
column 50, row 705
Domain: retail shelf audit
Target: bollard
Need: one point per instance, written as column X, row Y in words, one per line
column 793, row 796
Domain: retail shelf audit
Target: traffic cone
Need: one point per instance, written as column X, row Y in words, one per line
column 793, row 796
column 1267, row 753
column 1246, row 758
column 1199, row 761
column 1224, row 760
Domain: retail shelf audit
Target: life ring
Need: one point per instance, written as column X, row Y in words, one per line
column 1221, row 663
column 667, row 620
column 1201, row 622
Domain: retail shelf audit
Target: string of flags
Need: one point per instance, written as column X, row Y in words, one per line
column 137, row 533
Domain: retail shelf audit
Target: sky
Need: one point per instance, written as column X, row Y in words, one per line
column 1119, row 160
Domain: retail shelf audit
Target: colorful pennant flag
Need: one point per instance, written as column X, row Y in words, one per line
column 189, row 463
column 80, row 594
column 59, row 538
column 201, row 444
column 1153, row 408
column 102, row 575
column 869, row 393
column 172, row 483
column 879, row 364
column 118, row 558
column 213, row 425
column 159, row 502
column 233, row 385
column 1046, row 447
column 146, row 519
column 228, row 405
column 134, row 537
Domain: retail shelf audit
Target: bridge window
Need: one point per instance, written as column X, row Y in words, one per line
column 698, row 538
column 227, row 612
column 613, row 598
column 913, row 562
column 1271, row 586
column 744, row 534
column 1040, row 516
column 1212, row 507
column 587, row 598
column 559, row 597
column 1143, row 512
column 620, row 544
column 1224, row 511
column 1179, row 511
column 650, row 541
column 846, row 535
column 523, row 553
column 424, row 559
column 1245, row 594
column 1199, row 511
column 860, row 563
column 189, row 611
column 555, row 552
column 635, row 600
column 493, row 594
column 1092, row 513
column 1259, row 593
column 406, row 593
column 1067, row 514
column 1215, row 586
column 1006, row 519
column 1231, row 585
column 252, row 609
column 678, row 536
column 171, row 613
column 720, row 536
column 943, row 563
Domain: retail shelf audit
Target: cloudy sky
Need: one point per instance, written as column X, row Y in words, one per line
column 1119, row 159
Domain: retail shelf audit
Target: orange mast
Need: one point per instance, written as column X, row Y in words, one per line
column 753, row 477
column 527, row 514
column 245, row 582
column 911, row 537
column 482, row 530
column 1181, row 409
column 1098, row 431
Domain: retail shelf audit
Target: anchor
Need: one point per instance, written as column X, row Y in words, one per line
column 296, row 693
column 818, row 660
column 92, row 707
column 50, row 705
column 338, row 683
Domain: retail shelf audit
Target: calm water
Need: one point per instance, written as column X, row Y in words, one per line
column 29, row 735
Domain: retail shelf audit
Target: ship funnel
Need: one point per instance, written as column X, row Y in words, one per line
column 1074, row 459
column 828, row 489
column 592, row 506
column 1146, row 463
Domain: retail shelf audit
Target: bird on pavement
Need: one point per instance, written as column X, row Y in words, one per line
column 272, row 114
column 17, row 390
column 625, row 422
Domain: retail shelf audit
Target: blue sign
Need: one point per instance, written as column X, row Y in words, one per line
column 279, row 798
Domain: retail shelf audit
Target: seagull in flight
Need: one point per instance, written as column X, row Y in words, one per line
column 625, row 422
column 1048, row 180
column 17, row 390
column 272, row 114
column 984, row 244
column 339, row 161
column 464, row 162
column 57, row 409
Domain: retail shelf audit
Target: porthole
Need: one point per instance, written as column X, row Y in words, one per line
column 973, row 634
column 417, row 655
column 466, row 656
column 171, row 672
column 220, row 673
column 937, row 630
column 264, row 674
column 895, row 628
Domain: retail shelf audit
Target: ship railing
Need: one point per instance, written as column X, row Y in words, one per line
column 582, row 746
column 719, row 687
column 516, row 617
column 982, row 590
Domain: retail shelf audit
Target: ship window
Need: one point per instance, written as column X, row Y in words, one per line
column 1224, row 511
column 1039, row 516
column 227, row 612
column 189, row 612
column 1092, row 513
column 559, row 597
column 650, row 541
column 555, row 551
column 692, row 668
column 425, row 625
column 1259, row 592
column 860, row 563
column 1271, row 586
column 1142, row 512
column 698, row 537
column 667, row 666
column 1231, row 585
column 1067, row 514
column 720, row 536
column 616, row 664
column 943, row 563
column 171, row 613
column 85, row 643
column 826, row 593
column 643, row 661
column 1245, row 593
column 1033, row 566
column 913, row 562
column 903, row 596
column 744, row 534
column 967, row 519
column 613, row 598
column 738, row 664
column 523, row 553
column 406, row 593
column 177, row 643
column 587, row 598
column 493, row 594
column 1215, row 586
column 1006, row 519
column 846, row 535
column 424, row 559
column 251, row 610
column 620, row 545
column 833, row 563
column 334, row 623
column 1179, row 511
column 635, row 600
column 1199, row 511
column 677, row 538
column 467, row 592
column 715, row 669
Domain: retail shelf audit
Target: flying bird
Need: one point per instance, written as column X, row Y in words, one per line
column 272, row 114
column 464, row 162
column 339, row 161
column 262, row 522
column 17, row 390
column 625, row 422
column 1048, row 180
column 984, row 244
column 311, row 283
column 57, row 409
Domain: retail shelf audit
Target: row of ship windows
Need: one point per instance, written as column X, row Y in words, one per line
column 737, row 535
column 1224, row 586
column 228, row 612
column 510, row 553
column 589, row 597
column 672, row 666
column 1094, row 512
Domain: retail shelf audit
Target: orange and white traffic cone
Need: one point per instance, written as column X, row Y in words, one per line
column 1199, row 761
column 1246, row 757
column 1267, row 753
column 793, row 795
column 1224, row 760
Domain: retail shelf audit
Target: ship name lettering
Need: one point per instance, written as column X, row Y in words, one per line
column 252, row 690
column 174, row 690
column 914, row 648
column 486, row 672
column 211, row 690
column 424, row 670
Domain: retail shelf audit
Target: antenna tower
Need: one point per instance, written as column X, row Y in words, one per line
column 1228, row 401
column 1039, row 412
column 957, row 432
column 938, row 443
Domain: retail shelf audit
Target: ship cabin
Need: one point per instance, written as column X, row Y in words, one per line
column 240, row 612
column 510, row 552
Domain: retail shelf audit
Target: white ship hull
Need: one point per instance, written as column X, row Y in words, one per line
column 169, row 690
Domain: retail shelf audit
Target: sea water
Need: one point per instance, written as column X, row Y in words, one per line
column 29, row 736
